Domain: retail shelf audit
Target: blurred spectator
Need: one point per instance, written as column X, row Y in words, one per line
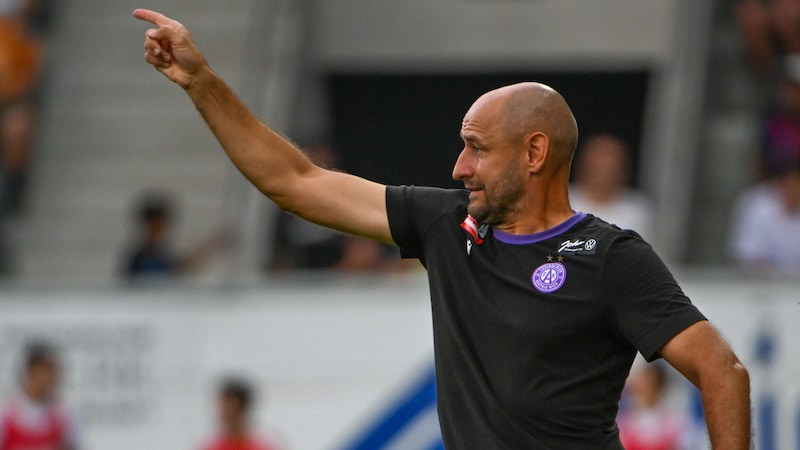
column 21, row 52
column 152, row 256
column 600, row 187
column 770, row 29
column 781, row 134
column 34, row 419
column 5, row 253
column 765, row 230
column 646, row 422
column 300, row 244
column 234, row 402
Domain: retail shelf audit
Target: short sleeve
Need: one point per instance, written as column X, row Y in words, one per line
column 411, row 211
column 647, row 306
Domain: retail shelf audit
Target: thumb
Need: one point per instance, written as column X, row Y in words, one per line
column 162, row 33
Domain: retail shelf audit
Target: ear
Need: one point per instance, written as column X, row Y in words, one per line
column 537, row 145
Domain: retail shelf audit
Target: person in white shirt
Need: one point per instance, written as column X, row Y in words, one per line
column 765, row 231
column 601, row 185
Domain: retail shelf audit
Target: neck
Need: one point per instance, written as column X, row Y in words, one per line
column 600, row 194
column 542, row 210
column 236, row 429
column 36, row 395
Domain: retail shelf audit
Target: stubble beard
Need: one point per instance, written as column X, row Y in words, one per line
column 502, row 200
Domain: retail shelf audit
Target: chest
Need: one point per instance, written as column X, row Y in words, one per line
column 44, row 434
column 548, row 292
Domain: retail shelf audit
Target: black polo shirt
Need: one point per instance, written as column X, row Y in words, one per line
column 534, row 335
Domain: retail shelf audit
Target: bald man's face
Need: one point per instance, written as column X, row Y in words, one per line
column 491, row 165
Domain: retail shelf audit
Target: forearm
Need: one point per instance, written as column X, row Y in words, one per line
column 705, row 359
column 264, row 157
column 726, row 403
column 275, row 166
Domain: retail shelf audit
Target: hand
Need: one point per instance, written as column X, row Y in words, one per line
column 170, row 48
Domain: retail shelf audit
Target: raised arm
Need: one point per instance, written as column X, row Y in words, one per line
column 702, row 356
column 275, row 166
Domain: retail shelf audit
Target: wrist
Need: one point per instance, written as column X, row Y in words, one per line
column 200, row 80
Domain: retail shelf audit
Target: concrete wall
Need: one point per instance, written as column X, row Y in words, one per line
column 439, row 34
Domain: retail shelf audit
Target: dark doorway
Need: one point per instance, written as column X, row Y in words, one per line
column 404, row 129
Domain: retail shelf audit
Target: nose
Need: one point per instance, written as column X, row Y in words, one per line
column 463, row 168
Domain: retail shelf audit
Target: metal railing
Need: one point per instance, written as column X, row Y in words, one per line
column 268, row 85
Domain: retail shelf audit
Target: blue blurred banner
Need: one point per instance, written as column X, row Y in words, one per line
column 411, row 422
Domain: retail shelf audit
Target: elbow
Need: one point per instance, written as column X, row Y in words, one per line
column 740, row 373
column 731, row 376
column 735, row 372
column 724, row 372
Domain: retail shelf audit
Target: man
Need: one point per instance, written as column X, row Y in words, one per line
column 34, row 420
column 234, row 402
column 537, row 311
column 151, row 259
column 648, row 421
column 765, row 226
column 600, row 185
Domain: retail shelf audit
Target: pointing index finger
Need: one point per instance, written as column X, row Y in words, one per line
column 156, row 18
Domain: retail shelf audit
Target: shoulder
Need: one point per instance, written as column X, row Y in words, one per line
column 759, row 194
column 619, row 247
column 598, row 227
column 262, row 443
column 420, row 207
column 7, row 408
column 440, row 197
column 758, row 200
column 216, row 443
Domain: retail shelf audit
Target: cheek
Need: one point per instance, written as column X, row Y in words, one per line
column 486, row 170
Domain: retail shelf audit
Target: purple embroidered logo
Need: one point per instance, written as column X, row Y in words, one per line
column 549, row 277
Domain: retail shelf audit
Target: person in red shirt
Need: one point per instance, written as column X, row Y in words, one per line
column 34, row 420
column 234, row 402
column 648, row 422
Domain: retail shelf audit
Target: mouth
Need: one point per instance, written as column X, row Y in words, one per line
column 473, row 192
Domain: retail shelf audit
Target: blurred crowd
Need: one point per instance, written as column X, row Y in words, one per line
column 23, row 28
column 765, row 226
column 33, row 415
column 294, row 245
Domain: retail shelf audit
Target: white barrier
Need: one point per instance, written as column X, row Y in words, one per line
column 141, row 366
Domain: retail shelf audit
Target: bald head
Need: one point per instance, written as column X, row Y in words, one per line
column 530, row 107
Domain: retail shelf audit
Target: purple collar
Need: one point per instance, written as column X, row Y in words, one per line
column 521, row 239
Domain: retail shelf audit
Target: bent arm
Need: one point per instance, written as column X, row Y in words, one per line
column 275, row 166
column 705, row 359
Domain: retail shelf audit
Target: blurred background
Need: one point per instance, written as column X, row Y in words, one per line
column 155, row 275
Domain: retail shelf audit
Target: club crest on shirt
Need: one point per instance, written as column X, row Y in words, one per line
column 549, row 277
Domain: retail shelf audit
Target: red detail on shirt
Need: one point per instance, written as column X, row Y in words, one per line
column 16, row 436
column 471, row 225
